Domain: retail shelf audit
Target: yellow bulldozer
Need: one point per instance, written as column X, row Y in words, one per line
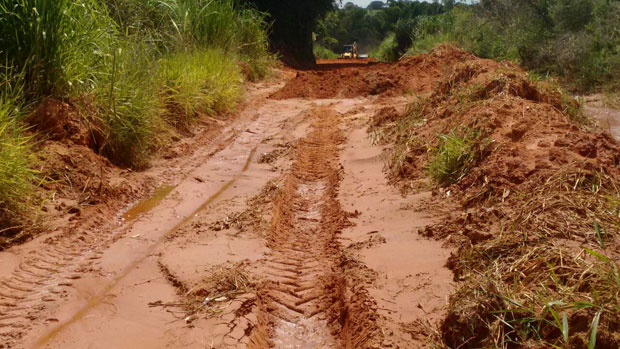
column 350, row 52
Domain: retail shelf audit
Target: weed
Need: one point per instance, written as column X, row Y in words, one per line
column 456, row 154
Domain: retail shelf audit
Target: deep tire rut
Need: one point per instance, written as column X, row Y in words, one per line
column 304, row 301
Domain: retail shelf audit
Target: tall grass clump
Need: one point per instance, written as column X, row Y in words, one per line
column 203, row 81
column 386, row 50
column 238, row 31
column 129, row 105
column 16, row 173
column 321, row 52
column 60, row 46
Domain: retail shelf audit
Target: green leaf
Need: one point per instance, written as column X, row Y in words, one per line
column 597, row 255
column 597, row 317
column 598, row 234
column 565, row 327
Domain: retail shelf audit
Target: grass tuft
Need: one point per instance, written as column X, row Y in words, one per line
column 456, row 153
column 321, row 52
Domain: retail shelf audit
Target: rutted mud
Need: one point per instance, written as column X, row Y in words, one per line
column 305, row 301
column 313, row 274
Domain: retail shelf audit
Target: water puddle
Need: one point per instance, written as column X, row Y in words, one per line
column 103, row 295
column 608, row 119
column 148, row 204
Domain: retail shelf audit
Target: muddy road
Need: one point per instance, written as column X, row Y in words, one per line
column 280, row 231
column 282, row 227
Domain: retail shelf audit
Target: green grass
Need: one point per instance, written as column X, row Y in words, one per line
column 16, row 173
column 321, row 52
column 59, row 46
column 455, row 155
column 129, row 106
column 203, row 81
column 386, row 50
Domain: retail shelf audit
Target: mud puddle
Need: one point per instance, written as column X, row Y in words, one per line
column 101, row 297
column 608, row 119
column 147, row 204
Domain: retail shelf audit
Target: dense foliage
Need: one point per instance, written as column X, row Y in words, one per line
column 370, row 26
column 575, row 39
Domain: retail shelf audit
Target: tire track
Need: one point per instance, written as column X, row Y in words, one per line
column 305, row 300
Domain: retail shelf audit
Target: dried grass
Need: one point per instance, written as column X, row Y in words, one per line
column 552, row 270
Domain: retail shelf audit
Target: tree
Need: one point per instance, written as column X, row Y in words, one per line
column 293, row 24
column 376, row 5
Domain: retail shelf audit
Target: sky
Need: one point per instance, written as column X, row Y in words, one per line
column 360, row 3
column 364, row 3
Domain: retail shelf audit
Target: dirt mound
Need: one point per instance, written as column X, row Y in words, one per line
column 528, row 130
column 530, row 188
column 384, row 115
column 411, row 74
column 62, row 120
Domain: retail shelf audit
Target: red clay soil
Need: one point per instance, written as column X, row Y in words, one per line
column 309, row 293
column 536, row 162
column 529, row 134
column 411, row 74
column 306, row 301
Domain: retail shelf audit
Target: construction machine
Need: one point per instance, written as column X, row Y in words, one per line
column 350, row 51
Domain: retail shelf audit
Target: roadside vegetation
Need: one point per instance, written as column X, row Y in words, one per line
column 382, row 29
column 321, row 52
column 133, row 71
column 577, row 40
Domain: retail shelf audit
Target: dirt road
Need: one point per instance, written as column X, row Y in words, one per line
column 280, row 231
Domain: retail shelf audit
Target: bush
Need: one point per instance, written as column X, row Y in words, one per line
column 577, row 40
column 386, row 52
column 321, row 52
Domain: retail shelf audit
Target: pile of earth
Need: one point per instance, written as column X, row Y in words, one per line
column 527, row 131
column 74, row 178
column 539, row 189
column 410, row 74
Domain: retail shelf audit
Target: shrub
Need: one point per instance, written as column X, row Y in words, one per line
column 321, row 52
column 386, row 52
